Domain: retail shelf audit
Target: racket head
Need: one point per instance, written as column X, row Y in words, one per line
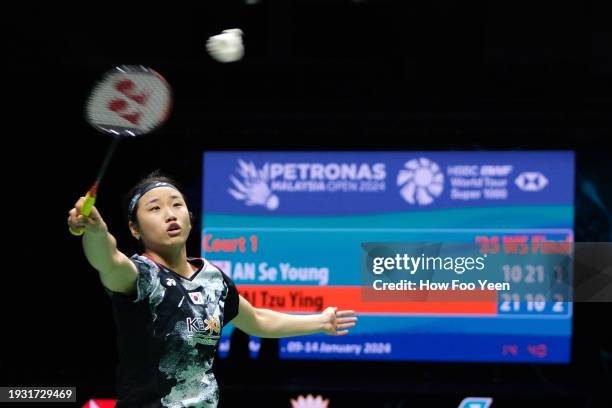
column 129, row 101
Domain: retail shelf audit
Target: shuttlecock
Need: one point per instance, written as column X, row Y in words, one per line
column 227, row 46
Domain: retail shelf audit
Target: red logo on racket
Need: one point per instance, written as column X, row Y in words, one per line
column 119, row 106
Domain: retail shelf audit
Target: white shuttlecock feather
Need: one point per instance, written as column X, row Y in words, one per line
column 227, row 46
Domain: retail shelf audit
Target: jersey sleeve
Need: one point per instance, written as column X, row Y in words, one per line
column 147, row 277
column 145, row 281
column 231, row 300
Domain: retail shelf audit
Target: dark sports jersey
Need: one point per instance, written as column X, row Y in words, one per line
column 167, row 336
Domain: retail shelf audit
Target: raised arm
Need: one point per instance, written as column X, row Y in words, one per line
column 116, row 271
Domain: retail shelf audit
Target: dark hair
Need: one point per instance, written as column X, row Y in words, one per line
column 153, row 177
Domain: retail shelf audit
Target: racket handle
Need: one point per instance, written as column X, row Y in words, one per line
column 88, row 204
column 90, row 200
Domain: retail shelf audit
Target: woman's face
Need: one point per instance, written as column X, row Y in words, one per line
column 163, row 218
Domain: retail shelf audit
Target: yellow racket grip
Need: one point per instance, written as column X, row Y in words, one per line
column 88, row 204
column 85, row 210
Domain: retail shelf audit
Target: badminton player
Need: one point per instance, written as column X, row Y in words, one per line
column 169, row 308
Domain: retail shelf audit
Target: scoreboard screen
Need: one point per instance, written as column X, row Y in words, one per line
column 290, row 229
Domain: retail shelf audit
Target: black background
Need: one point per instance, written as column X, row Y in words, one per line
column 317, row 75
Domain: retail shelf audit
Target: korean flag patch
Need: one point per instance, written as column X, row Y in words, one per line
column 196, row 298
